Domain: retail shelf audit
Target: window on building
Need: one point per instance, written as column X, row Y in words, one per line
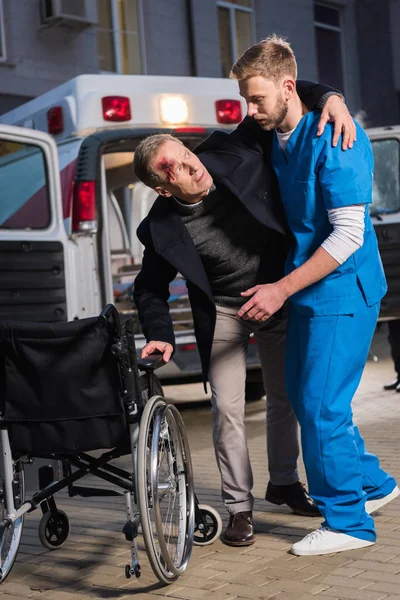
column 2, row 35
column 235, row 20
column 119, row 42
column 328, row 33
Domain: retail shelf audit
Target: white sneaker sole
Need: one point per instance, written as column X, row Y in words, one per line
column 353, row 545
column 372, row 506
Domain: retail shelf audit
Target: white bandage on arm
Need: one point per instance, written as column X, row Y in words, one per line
column 348, row 231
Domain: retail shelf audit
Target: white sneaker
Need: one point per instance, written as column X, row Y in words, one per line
column 327, row 541
column 373, row 505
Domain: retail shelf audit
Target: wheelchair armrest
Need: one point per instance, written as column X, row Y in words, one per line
column 150, row 363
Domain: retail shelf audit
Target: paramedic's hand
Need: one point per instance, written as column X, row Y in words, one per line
column 335, row 111
column 265, row 300
column 158, row 347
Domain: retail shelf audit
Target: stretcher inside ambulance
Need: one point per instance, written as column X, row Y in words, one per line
column 68, row 222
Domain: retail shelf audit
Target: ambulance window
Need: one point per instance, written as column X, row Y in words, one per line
column 24, row 195
column 386, row 185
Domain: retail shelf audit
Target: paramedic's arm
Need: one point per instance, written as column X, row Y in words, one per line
column 346, row 238
column 151, row 293
column 343, row 178
column 267, row 299
column 334, row 110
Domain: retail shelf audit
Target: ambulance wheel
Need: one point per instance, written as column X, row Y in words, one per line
column 53, row 529
column 213, row 523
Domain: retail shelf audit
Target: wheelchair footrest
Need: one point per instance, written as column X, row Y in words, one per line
column 87, row 492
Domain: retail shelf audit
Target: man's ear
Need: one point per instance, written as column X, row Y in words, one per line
column 162, row 192
column 289, row 87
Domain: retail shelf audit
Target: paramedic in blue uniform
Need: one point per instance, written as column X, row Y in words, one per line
column 335, row 282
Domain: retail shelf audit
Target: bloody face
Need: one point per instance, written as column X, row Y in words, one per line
column 167, row 167
column 182, row 172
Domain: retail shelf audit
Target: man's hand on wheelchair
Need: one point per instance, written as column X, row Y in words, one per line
column 163, row 348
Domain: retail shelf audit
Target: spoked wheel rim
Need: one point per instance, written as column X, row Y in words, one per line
column 156, row 490
column 172, row 488
column 10, row 540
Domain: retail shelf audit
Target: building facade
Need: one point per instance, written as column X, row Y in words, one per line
column 350, row 44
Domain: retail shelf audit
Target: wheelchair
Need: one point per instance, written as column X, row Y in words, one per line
column 68, row 389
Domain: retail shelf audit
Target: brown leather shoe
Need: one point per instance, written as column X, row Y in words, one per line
column 240, row 530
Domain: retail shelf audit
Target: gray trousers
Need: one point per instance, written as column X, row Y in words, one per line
column 227, row 378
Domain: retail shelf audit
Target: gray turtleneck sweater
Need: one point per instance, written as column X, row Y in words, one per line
column 237, row 252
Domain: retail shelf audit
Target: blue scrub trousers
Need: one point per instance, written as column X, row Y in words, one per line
column 325, row 358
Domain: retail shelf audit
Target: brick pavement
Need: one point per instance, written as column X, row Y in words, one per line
column 91, row 564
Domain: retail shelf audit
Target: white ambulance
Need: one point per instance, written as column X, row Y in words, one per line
column 385, row 211
column 70, row 205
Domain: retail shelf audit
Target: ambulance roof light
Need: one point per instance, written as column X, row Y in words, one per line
column 116, row 108
column 84, row 207
column 55, row 120
column 190, row 129
column 228, row 111
column 174, row 110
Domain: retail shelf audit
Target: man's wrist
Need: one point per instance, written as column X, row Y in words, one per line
column 284, row 288
column 324, row 99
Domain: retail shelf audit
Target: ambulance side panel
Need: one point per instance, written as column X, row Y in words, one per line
column 33, row 256
column 385, row 212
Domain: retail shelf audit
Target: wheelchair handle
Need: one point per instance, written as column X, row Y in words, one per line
column 111, row 312
column 150, row 363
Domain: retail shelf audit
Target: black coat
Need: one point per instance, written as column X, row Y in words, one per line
column 240, row 162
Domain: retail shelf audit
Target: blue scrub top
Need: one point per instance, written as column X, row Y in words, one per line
column 314, row 177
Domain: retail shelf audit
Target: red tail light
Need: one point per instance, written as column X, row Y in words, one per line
column 84, row 207
column 55, row 120
column 190, row 129
column 228, row 111
column 252, row 340
column 188, row 347
column 116, row 108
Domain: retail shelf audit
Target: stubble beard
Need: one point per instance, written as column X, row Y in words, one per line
column 273, row 121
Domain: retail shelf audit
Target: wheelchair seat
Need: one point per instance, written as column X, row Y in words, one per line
column 61, row 389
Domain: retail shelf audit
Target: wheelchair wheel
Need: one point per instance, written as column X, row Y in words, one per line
column 54, row 529
column 11, row 536
column 209, row 530
column 165, row 489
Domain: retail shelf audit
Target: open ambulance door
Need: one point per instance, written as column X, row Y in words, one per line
column 385, row 212
column 105, row 161
column 32, row 234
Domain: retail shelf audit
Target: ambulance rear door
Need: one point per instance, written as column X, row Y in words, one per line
column 32, row 235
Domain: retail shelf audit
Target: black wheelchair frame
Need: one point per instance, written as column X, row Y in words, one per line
column 155, row 436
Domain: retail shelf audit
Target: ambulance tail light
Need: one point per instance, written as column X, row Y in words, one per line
column 188, row 347
column 116, row 108
column 84, row 207
column 55, row 120
column 228, row 111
